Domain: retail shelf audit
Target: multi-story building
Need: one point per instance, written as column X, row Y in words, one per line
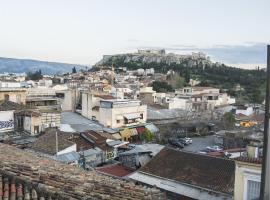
column 116, row 113
column 201, row 98
column 111, row 112
column 42, row 98
column 17, row 95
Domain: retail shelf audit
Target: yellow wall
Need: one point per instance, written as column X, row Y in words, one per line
column 13, row 95
column 241, row 168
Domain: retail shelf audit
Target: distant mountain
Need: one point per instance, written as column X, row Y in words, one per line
column 13, row 65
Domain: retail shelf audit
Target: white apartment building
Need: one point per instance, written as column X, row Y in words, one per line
column 111, row 112
column 115, row 113
column 200, row 98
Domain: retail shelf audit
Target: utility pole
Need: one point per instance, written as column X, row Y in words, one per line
column 264, row 190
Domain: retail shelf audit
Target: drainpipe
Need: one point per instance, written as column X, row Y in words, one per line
column 264, row 189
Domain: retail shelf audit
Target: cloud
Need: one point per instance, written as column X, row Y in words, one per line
column 248, row 53
column 236, row 54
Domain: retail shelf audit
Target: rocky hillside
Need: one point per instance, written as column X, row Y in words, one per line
column 144, row 58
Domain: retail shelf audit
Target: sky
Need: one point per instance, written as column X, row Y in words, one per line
column 81, row 31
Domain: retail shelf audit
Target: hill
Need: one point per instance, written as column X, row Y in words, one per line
column 197, row 66
column 13, row 65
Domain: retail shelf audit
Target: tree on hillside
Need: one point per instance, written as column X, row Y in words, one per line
column 35, row 76
column 74, row 71
column 229, row 119
column 256, row 96
column 161, row 86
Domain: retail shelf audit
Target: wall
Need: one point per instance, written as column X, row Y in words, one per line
column 178, row 103
column 50, row 118
column 6, row 121
column 109, row 116
column 68, row 150
column 242, row 172
column 17, row 96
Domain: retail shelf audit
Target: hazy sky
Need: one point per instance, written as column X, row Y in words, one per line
column 81, row 31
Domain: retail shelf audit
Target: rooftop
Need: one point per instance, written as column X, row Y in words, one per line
column 201, row 171
column 9, row 105
column 116, row 170
column 55, row 180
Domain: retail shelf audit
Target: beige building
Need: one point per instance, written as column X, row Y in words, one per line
column 247, row 178
column 111, row 112
column 116, row 113
column 91, row 104
column 28, row 120
column 17, row 95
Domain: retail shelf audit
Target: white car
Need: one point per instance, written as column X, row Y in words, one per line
column 188, row 140
column 214, row 148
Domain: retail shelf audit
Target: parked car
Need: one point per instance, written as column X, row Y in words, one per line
column 176, row 143
column 189, row 140
column 185, row 140
column 214, row 148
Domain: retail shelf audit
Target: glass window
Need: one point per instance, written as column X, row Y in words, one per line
column 253, row 190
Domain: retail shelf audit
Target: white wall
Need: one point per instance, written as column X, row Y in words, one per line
column 247, row 112
column 178, row 103
column 68, row 150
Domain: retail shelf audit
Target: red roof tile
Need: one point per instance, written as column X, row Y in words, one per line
column 249, row 160
column 115, row 170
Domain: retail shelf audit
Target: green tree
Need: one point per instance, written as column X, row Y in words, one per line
column 256, row 96
column 35, row 76
column 147, row 135
column 229, row 119
column 161, row 86
column 74, row 71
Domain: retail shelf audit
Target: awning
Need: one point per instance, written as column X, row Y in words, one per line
column 132, row 116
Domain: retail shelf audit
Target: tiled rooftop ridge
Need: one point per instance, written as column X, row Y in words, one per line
column 27, row 176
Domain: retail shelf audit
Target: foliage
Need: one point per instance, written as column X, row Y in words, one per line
column 147, row 136
column 35, row 76
column 74, row 71
column 161, row 86
column 229, row 119
column 209, row 73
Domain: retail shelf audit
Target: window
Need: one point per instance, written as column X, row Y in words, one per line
column 141, row 116
column 253, row 190
column 118, row 121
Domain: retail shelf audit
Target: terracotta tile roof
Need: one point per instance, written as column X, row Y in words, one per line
column 202, row 171
column 46, row 143
column 96, row 139
column 34, row 177
column 249, row 160
column 9, row 105
column 222, row 153
column 82, row 143
column 34, row 113
column 116, row 170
